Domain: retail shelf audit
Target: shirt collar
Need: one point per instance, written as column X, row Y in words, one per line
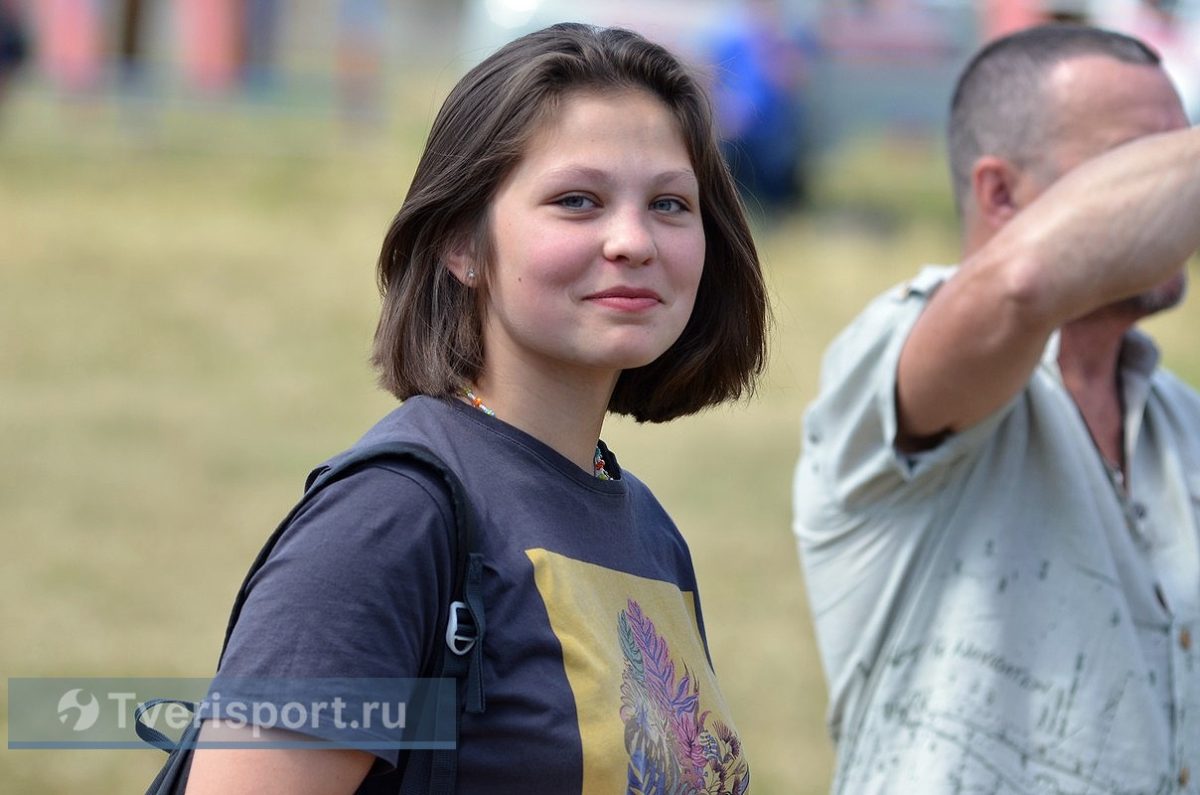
column 1138, row 360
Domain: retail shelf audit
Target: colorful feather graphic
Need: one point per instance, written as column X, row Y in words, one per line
column 671, row 752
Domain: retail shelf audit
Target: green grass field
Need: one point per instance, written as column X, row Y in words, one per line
column 184, row 324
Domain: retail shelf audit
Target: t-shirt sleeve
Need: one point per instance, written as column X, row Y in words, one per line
column 356, row 588
column 355, row 585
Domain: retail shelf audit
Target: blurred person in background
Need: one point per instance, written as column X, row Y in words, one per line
column 760, row 68
column 998, row 501
column 259, row 45
column 571, row 245
column 1177, row 42
column 360, row 47
column 131, row 42
column 14, row 44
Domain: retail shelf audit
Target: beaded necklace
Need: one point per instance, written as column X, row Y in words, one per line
column 600, row 470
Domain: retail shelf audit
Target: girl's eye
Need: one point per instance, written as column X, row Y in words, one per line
column 668, row 204
column 576, row 201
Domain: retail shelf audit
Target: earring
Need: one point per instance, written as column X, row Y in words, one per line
column 470, row 274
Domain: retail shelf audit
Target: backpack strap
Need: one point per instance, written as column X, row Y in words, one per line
column 436, row 771
column 459, row 655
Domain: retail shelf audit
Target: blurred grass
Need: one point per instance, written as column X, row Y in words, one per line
column 184, row 327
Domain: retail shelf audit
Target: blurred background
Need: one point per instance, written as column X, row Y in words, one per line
column 192, row 197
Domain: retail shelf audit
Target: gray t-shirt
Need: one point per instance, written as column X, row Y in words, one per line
column 997, row 614
column 595, row 641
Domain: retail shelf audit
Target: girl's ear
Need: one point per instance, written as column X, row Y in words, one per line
column 461, row 262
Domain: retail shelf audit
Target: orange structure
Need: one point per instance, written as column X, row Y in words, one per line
column 210, row 32
column 70, row 43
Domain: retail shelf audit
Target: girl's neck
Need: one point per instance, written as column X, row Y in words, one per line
column 565, row 413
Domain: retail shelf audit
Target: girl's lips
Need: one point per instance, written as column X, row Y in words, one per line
column 628, row 299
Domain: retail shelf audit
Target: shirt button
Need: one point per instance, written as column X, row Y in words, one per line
column 1185, row 639
column 1185, row 776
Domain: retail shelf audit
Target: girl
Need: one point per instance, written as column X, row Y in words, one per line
column 571, row 245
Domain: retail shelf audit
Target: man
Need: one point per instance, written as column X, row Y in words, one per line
column 999, row 498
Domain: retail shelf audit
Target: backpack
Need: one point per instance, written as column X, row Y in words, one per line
column 460, row 658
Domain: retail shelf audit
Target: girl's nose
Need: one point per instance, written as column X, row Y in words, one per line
column 630, row 238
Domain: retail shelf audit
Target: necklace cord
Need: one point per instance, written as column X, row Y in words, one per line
column 599, row 465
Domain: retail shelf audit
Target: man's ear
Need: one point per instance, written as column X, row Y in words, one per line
column 994, row 188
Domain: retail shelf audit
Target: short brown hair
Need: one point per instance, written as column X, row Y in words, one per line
column 999, row 107
column 429, row 337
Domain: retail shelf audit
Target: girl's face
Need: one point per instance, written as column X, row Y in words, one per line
column 598, row 242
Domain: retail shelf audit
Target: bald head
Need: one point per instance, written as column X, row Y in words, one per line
column 1002, row 104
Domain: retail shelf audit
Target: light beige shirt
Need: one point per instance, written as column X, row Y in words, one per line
column 998, row 615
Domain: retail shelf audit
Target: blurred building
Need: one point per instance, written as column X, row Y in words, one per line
column 218, row 46
column 874, row 66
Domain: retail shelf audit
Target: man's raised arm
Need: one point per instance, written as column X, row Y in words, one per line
column 1115, row 226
